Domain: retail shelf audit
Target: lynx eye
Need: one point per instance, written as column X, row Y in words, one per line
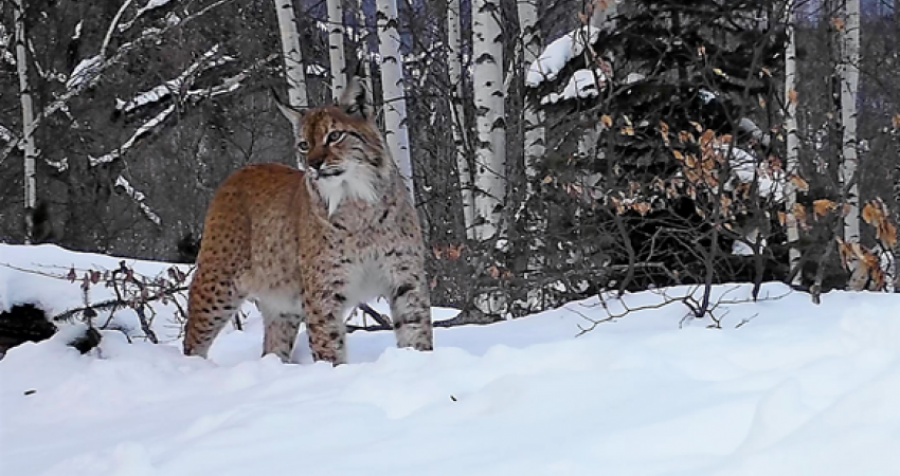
column 334, row 137
column 303, row 146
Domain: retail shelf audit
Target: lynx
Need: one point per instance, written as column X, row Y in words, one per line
column 311, row 245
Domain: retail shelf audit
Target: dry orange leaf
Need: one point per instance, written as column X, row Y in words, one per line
column 793, row 97
column 641, row 208
column 799, row 212
column 606, row 120
column 838, row 23
column 823, row 207
column 871, row 214
column 801, row 184
column 454, row 252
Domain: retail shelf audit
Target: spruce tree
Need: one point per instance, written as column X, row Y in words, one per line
column 668, row 158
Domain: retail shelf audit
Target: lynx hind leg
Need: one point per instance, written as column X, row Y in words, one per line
column 411, row 308
column 212, row 303
column 281, row 330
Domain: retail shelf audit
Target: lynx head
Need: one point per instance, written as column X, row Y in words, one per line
column 345, row 154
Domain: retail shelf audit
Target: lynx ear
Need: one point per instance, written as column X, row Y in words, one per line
column 356, row 101
column 294, row 116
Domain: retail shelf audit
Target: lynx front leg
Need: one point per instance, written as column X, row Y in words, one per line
column 411, row 305
column 324, row 322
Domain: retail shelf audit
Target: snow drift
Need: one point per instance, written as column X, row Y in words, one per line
column 795, row 390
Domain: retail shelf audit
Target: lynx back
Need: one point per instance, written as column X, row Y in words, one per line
column 311, row 245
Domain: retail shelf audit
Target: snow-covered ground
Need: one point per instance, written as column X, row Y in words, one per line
column 796, row 390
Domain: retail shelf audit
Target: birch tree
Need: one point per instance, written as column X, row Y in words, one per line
column 490, row 151
column 792, row 139
column 393, row 88
column 362, row 44
column 293, row 63
column 460, row 127
column 28, row 145
column 849, row 91
column 336, row 47
column 532, row 120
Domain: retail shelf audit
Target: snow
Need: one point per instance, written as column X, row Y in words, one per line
column 555, row 56
column 6, row 135
column 84, row 70
column 138, row 197
column 313, row 69
column 208, row 60
column 771, row 183
column 149, row 6
column 141, row 131
column 797, row 389
column 582, row 84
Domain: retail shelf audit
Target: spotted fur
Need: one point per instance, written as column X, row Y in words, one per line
column 312, row 245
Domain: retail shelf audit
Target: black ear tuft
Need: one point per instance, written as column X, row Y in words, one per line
column 293, row 115
column 356, row 101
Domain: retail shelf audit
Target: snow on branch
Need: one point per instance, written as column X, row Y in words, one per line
column 6, row 135
column 142, row 131
column 84, row 71
column 558, row 53
column 91, row 76
column 157, row 94
column 149, row 7
column 139, row 198
column 112, row 27
column 582, row 84
column 313, row 69
column 5, row 40
column 231, row 83
column 770, row 182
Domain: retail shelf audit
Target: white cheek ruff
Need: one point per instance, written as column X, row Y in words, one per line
column 357, row 182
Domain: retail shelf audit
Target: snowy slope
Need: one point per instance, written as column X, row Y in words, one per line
column 797, row 390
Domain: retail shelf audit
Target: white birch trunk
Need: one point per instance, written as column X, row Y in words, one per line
column 336, row 47
column 362, row 40
column 793, row 141
column 393, row 88
column 293, row 63
column 600, row 13
column 460, row 128
column 490, row 151
column 28, row 146
column 849, row 93
column 532, row 121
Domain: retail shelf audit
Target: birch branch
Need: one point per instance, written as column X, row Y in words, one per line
column 104, row 64
column 139, row 198
column 112, row 27
column 206, row 62
column 142, row 131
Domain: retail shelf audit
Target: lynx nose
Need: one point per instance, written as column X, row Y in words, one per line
column 315, row 160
